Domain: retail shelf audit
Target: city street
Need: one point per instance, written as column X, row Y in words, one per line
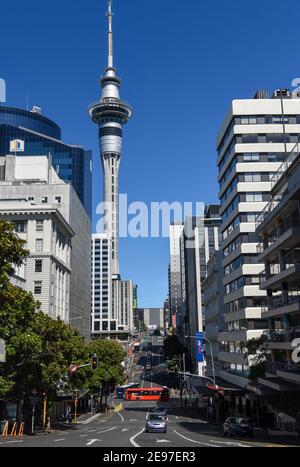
column 127, row 428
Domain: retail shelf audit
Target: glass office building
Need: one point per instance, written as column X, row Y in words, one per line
column 43, row 137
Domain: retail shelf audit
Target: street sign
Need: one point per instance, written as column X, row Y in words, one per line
column 2, row 351
column 200, row 347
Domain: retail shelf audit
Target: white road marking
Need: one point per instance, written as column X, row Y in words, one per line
column 196, row 442
column 89, row 420
column 228, row 443
column 93, row 441
column 132, row 440
column 92, row 431
column 83, row 436
column 120, row 415
column 59, row 440
column 163, row 441
column 12, row 442
column 106, row 431
column 134, row 420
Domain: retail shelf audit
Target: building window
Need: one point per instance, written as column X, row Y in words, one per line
column 39, row 245
column 39, row 226
column 20, row 227
column 38, row 288
column 251, row 157
column 254, row 197
column 58, row 199
column 44, row 200
column 39, row 265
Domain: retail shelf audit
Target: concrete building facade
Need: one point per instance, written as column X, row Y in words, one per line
column 278, row 227
column 256, row 137
column 57, row 229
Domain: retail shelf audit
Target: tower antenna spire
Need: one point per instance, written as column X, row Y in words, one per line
column 109, row 14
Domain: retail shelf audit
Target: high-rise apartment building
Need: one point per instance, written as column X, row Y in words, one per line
column 255, row 139
column 213, row 302
column 102, row 312
column 175, row 271
column 279, row 249
column 109, row 319
column 191, row 246
column 40, row 136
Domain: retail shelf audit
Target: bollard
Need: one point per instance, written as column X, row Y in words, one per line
column 21, row 430
column 14, row 430
column 5, row 430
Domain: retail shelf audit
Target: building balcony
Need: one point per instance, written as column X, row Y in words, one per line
column 286, row 237
column 288, row 271
column 238, row 379
column 282, row 339
column 242, row 314
column 279, row 306
column 240, row 336
column 287, row 371
column 271, row 208
column 231, row 357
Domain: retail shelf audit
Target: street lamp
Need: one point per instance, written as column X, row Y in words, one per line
column 211, row 355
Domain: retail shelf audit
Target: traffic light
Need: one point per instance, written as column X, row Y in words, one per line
column 95, row 362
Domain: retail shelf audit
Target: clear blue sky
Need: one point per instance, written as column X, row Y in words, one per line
column 182, row 62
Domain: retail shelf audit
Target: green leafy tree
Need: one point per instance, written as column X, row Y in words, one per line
column 173, row 347
column 110, row 371
column 257, row 351
column 39, row 349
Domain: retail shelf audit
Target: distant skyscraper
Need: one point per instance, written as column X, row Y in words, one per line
column 110, row 113
column 103, row 320
column 175, row 269
column 41, row 136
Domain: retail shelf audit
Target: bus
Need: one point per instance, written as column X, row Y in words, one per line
column 121, row 390
column 148, row 394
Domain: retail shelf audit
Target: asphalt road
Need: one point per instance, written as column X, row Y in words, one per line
column 127, row 428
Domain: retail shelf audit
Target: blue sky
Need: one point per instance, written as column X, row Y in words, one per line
column 182, row 62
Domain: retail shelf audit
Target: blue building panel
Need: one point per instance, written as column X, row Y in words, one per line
column 72, row 163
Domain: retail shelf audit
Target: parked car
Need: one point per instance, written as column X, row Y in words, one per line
column 237, row 426
column 156, row 423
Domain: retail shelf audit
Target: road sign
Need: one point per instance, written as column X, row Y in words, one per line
column 200, row 347
column 2, row 351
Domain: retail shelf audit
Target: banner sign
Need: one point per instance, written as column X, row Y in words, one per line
column 200, row 347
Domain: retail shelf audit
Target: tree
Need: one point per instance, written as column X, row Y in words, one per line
column 257, row 352
column 12, row 252
column 110, row 371
column 173, row 347
column 38, row 349
column 140, row 325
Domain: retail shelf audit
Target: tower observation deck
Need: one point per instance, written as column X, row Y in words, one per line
column 110, row 113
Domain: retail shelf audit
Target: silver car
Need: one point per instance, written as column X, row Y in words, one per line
column 156, row 423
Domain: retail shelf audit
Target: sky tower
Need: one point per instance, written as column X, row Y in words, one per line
column 110, row 113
